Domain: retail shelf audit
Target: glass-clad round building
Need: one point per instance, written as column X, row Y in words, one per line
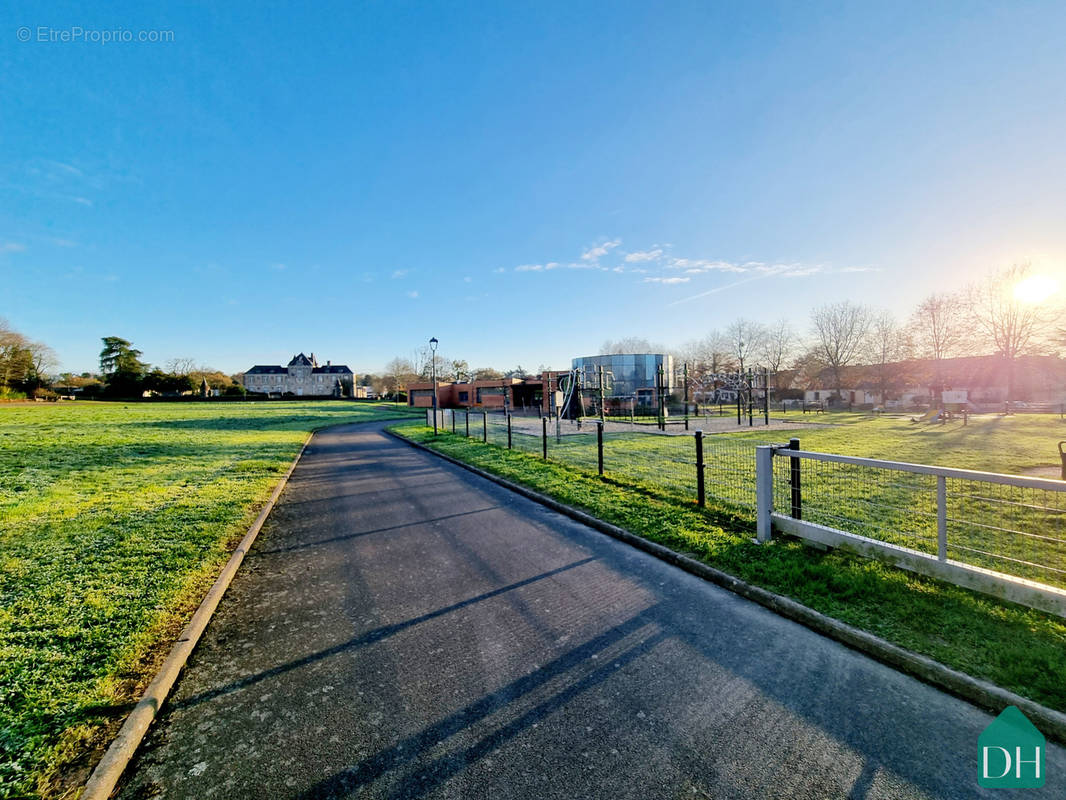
column 629, row 373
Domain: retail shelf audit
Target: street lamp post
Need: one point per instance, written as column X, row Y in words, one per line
column 433, row 359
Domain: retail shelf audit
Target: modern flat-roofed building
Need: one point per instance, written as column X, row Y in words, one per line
column 302, row 377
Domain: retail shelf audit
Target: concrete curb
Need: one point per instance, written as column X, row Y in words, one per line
column 981, row 693
column 105, row 777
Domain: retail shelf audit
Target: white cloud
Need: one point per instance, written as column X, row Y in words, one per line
column 85, row 201
column 279, row 267
column 695, row 266
column 64, row 243
column 399, row 273
column 498, row 270
column 800, row 272
column 67, row 168
column 860, row 269
column 644, row 255
column 667, row 281
column 413, row 294
column 12, row 247
column 529, row 268
column 597, row 252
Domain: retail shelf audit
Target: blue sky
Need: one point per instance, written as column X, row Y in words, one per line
column 521, row 181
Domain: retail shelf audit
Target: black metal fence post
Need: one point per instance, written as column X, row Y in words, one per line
column 468, row 423
column 701, row 498
column 794, row 480
column 453, row 420
column 508, row 431
column 602, row 412
column 599, row 446
column 660, row 382
column 544, row 437
column 751, row 396
column 686, row 395
column 485, row 427
column 766, row 400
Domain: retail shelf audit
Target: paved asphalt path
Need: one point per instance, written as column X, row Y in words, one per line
column 403, row 628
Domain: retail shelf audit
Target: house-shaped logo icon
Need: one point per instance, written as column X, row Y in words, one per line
column 1011, row 753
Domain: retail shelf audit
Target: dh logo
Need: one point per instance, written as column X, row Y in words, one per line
column 1011, row 753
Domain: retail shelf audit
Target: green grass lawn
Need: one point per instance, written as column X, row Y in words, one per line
column 891, row 506
column 114, row 519
column 1015, row 647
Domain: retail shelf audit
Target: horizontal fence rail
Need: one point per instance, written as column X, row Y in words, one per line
column 1001, row 534
column 663, row 463
column 1004, row 535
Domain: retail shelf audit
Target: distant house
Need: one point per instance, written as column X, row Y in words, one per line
column 916, row 382
column 302, row 377
column 830, row 397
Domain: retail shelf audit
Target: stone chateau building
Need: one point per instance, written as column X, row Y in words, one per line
column 302, row 377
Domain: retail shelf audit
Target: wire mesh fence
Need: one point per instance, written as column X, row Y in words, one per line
column 1006, row 524
column 1020, row 530
column 665, row 463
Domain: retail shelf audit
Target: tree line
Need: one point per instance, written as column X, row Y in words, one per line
column 987, row 317
column 27, row 370
column 25, row 365
column 124, row 374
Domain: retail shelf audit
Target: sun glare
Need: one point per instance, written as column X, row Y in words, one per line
column 1036, row 288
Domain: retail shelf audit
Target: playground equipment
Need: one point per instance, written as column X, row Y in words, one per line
column 932, row 415
column 577, row 387
column 749, row 390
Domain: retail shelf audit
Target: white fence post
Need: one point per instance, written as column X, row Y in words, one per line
column 764, row 492
column 941, row 517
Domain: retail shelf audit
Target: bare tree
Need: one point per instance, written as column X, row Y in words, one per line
column 426, row 359
column 460, row 369
column 181, row 366
column 1011, row 326
column 940, row 328
column 808, row 367
column 840, row 336
column 886, row 347
column 704, row 357
column 746, row 339
column 14, row 358
column 779, row 345
column 630, row 344
column 398, row 374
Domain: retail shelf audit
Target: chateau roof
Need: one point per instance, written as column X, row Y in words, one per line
column 275, row 369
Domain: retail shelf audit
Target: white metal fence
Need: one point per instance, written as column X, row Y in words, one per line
column 1004, row 535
